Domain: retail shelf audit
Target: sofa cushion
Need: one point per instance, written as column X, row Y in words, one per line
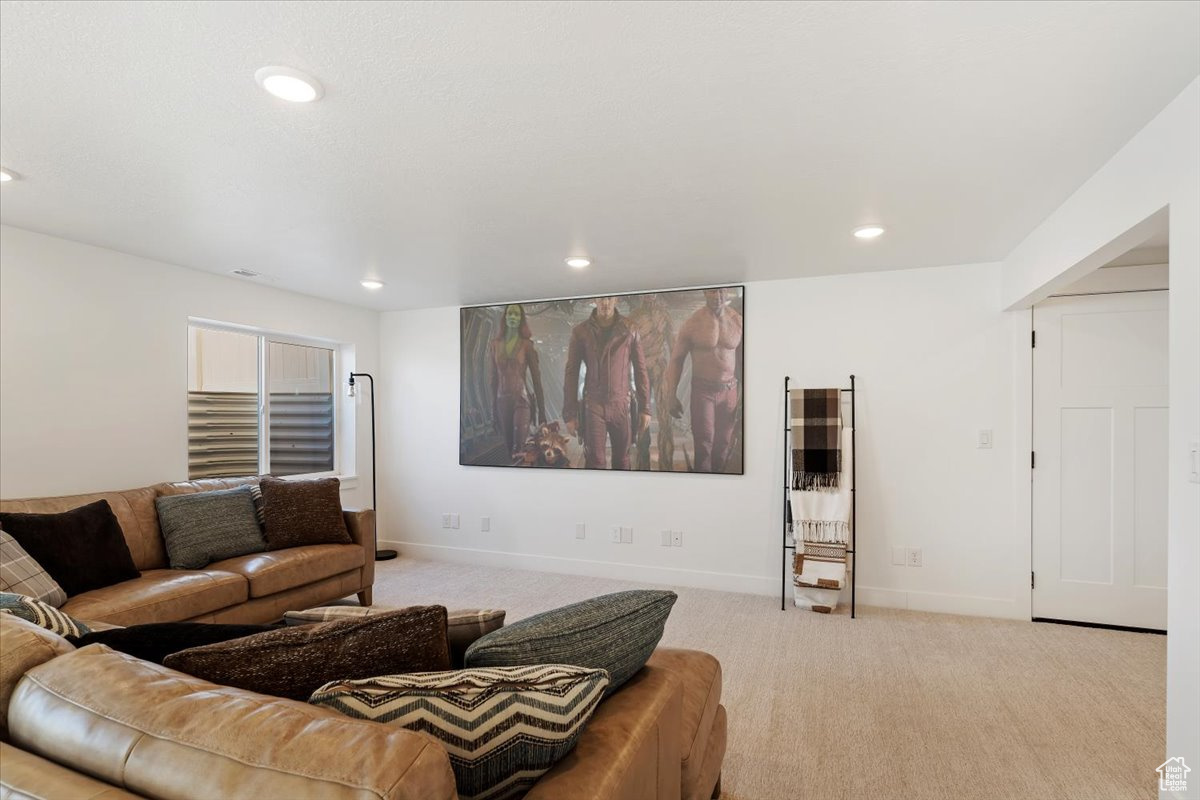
column 29, row 776
column 630, row 748
column 614, row 632
column 204, row 527
column 21, row 574
column 294, row 662
column 504, row 727
column 121, row 720
column 463, row 626
column 700, row 676
column 41, row 614
column 160, row 595
column 134, row 510
column 279, row 570
column 82, row 548
column 303, row 512
column 23, row 646
column 155, row 641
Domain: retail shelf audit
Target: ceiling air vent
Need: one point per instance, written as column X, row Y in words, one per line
column 246, row 273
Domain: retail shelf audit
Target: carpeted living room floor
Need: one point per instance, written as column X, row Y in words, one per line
column 896, row 705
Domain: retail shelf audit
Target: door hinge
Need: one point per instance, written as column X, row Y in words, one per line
column 1033, row 459
column 1032, row 581
column 1033, row 338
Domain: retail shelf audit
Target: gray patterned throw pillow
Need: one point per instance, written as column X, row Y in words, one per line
column 614, row 632
column 201, row 528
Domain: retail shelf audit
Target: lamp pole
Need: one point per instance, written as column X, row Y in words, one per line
column 380, row 555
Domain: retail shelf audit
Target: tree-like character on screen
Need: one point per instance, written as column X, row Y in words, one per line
column 711, row 336
column 652, row 320
column 607, row 347
column 513, row 354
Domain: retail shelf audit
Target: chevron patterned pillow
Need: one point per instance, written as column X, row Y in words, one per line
column 504, row 727
column 41, row 614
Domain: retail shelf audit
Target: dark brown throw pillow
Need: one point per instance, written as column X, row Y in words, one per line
column 157, row 640
column 82, row 549
column 294, row 662
column 303, row 512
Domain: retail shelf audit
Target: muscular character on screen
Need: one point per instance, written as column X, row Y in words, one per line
column 608, row 348
column 712, row 336
column 513, row 354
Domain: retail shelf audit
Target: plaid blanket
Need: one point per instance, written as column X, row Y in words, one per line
column 816, row 438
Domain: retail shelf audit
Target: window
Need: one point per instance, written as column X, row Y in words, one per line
column 258, row 404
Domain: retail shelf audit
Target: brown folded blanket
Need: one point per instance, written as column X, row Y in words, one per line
column 816, row 438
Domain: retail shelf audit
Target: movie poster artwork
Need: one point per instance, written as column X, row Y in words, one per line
column 648, row 381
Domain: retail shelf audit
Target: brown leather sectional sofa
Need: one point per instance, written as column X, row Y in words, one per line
column 256, row 588
column 95, row 723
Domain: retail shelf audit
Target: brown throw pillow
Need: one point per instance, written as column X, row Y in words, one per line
column 82, row 549
column 294, row 662
column 463, row 626
column 303, row 512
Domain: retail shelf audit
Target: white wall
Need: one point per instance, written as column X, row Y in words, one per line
column 1158, row 169
column 932, row 352
column 93, row 362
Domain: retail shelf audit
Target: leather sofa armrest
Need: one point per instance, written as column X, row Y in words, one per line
column 361, row 525
column 160, row 733
column 629, row 749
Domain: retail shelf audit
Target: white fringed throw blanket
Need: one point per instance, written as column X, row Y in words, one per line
column 822, row 532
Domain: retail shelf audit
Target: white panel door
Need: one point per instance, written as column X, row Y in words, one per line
column 1100, row 476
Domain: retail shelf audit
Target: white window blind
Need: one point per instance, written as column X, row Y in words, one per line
column 246, row 391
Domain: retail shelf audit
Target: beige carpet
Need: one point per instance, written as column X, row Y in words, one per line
column 893, row 705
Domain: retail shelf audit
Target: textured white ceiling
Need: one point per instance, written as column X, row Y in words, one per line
column 463, row 149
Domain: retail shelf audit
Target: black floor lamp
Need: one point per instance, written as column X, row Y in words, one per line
column 380, row 555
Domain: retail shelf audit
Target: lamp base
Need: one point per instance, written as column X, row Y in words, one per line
column 385, row 555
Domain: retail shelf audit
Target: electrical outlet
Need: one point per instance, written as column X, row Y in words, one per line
column 445, row 520
column 666, row 539
column 899, row 557
column 627, row 535
column 914, row 556
column 615, row 534
column 677, row 538
column 454, row 521
column 485, row 524
column 580, row 530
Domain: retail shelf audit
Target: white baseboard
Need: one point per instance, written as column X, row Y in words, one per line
column 937, row 602
column 699, row 579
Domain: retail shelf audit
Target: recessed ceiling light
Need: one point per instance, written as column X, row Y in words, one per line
column 289, row 84
column 6, row 176
column 869, row 231
column 579, row 262
column 372, row 284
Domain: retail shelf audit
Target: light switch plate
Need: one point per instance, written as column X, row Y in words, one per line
column 485, row 524
column 985, row 439
column 627, row 535
column 580, row 530
column 666, row 538
column 899, row 559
